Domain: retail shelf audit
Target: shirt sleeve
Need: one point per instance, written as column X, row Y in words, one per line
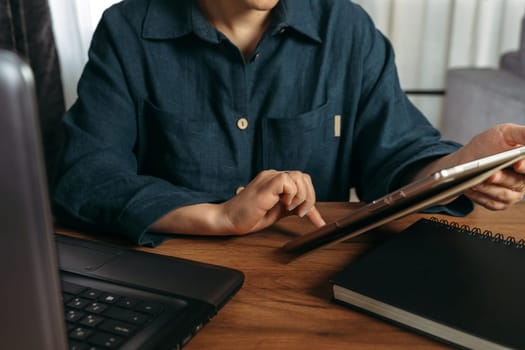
column 98, row 183
column 460, row 206
column 391, row 134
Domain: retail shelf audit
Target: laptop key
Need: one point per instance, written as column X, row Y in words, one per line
column 80, row 333
column 67, row 297
column 149, row 307
column 127, row 303
column 108, row 298
column 91, row 294
column 74, row 315
column 118, row 327
column 91, row 320
column 95, row 308
column 71, row 288
column 77, row 303
column 121, row 314
column 105, row 339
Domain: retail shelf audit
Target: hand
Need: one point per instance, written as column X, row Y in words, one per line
column 505, row 187
column 270, row 196
column 267, row 198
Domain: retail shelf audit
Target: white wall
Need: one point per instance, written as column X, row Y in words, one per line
column 430, row 36
column 73, row 25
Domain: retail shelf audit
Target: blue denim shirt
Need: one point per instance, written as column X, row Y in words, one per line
column 170, row 113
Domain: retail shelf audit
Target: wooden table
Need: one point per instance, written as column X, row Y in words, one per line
column 286, row 304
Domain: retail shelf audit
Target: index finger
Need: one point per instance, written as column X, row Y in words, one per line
column 315, row 217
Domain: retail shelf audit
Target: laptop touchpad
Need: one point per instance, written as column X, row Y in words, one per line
column 75, row 257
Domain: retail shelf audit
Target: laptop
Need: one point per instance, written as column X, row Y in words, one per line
column 418, row 195
column 60, row 292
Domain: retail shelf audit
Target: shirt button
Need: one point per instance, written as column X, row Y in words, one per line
column 239, row 189
column 242, row 123
column 256, row 57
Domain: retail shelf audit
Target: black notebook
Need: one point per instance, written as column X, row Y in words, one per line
column 457, row 284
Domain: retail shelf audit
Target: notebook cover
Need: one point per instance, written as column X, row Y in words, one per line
column 459, row 285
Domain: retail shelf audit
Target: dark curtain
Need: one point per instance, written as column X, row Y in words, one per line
column 26, row 28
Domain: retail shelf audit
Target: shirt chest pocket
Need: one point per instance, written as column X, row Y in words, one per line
column 185, row 150
column 303, row 142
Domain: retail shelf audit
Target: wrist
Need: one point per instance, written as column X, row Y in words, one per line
column 197, row 219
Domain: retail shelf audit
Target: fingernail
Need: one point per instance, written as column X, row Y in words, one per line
column 291, row 207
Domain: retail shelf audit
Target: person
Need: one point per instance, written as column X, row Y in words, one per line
column 219, row 117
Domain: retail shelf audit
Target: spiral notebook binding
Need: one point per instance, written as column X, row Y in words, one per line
column 476, row 232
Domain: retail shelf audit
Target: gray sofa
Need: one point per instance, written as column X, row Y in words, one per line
column 477, row 99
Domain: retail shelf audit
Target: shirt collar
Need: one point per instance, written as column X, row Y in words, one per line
column 297, row 15
column 169, row 19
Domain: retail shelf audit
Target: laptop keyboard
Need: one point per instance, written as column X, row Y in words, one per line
column 96, row 319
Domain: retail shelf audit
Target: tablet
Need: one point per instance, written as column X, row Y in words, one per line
column 418, row 195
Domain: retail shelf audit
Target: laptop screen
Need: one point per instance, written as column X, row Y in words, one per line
column 97, row 295
column 29, row 272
